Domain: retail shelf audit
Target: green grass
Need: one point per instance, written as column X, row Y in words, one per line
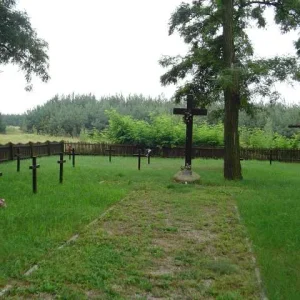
column 270, row 207
column 32, row 224
column 165, row 237
column 15, row 135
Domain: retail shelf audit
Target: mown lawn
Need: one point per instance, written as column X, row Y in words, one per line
column 163, row 237
column 269, row 203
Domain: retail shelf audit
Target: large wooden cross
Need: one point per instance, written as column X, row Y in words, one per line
column 188, row 114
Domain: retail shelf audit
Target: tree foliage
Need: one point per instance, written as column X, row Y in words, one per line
column 220, row 62
column 273, row 117
column 169, row 131
column 20, row 45
column 71, row 114
column 54, row 116
column 200, row 25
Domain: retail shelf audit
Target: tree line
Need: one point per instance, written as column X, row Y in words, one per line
column 69, row 115
column 90, row 118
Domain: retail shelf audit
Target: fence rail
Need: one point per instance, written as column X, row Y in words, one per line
column 9, row 151
column 287, row 155
column 129, row 150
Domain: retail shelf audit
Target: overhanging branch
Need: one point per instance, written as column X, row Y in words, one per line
column 244, row 4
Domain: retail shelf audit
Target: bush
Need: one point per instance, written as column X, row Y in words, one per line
column 169, row 131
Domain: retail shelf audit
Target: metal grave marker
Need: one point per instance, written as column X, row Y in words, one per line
column 73, row 157
column 34, row 177
column 148, row 154
column 18, row 156
column 139, row 154
column 110, row 150
column 61, row 162
column 70, row 151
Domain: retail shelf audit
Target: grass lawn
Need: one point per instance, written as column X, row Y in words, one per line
column 15, row 135
column 163, row 240
column 269, row 203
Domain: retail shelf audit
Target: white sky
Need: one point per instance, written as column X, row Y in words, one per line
column 107, row 47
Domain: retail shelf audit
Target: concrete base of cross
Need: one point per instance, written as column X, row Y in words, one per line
column 186, row 176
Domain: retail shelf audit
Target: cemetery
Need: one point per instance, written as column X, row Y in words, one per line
column 113, row 220
column 194, row 195
column 127, row 215
column 107, row 220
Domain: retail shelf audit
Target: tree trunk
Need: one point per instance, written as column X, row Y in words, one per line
column 232, row 165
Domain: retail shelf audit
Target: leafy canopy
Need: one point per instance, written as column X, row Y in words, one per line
column 20, row 45
column 200, row 25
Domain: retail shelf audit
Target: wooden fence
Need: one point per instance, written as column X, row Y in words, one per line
column 285, row 155
column 129, row 150
column 9, row 151
column 100, row 149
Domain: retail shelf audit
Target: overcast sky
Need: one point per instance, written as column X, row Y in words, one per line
column 110, row 47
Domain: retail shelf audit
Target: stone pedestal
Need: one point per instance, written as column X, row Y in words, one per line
column 186, row 176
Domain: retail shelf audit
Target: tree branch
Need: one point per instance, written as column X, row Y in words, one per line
column 4, row 46
column 264, row 2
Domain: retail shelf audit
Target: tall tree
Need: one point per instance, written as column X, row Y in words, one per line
column 232, row 165
column 20, row 45
column 220, row 62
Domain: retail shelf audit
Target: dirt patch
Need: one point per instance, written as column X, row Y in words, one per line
column 164, row 267
column 199, row 236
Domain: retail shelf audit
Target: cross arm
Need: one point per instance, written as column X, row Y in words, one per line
column 194, row 111
column 34, row 167
column 61, row 161
column 199, row 111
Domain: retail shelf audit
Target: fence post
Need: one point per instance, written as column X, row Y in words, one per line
column 48, row 148
column 62, row 146
column 11, row 154
column 31, row 149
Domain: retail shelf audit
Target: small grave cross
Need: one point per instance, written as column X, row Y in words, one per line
column 34, row 177
column 73, row 157
column 18, row 156
column 110, row 150
column 139, row 154
column 69, row 151
column 148, row 154
column 188, row 114
column 61, row 162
